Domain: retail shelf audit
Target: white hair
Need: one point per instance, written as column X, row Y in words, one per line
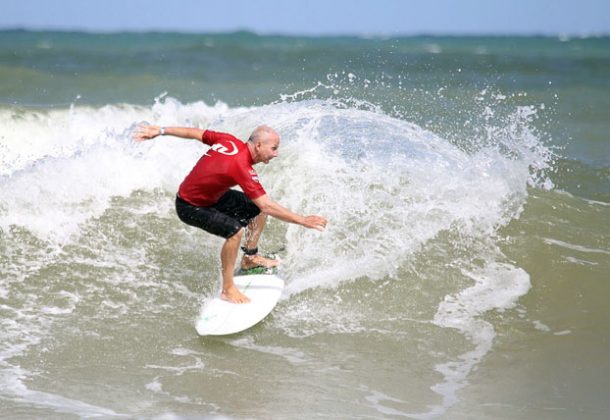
column 260, row 133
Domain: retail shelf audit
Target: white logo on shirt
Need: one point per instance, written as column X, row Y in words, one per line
column 220, row 148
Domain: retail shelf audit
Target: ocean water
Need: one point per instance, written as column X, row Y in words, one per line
column 464, row 273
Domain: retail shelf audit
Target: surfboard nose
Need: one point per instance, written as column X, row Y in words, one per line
column 219, row 317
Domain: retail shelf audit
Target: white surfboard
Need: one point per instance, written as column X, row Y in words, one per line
column 219, row 317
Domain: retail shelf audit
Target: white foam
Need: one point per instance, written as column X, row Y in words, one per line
column 497, row 286
column 155, row 386
column 575, row 247
column 292, row 355
column 540, row 326
column 69, row 301
column 378, row 401
column 580, row 261
column 309, row 317
column 59, row 403
column 62, row 168
column 387, row 186
column 73, row 162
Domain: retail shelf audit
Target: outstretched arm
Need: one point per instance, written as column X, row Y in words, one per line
column 270, row 207
column 147, row 132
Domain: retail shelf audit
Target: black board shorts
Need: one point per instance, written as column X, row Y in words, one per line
column 225, row 218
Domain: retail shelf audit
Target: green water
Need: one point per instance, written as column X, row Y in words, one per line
column 463, row 274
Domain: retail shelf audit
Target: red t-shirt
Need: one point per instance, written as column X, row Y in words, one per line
column 226, row 164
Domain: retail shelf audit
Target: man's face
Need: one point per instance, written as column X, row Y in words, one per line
column 268, row 148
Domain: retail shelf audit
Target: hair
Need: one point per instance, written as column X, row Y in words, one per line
column 260, row 132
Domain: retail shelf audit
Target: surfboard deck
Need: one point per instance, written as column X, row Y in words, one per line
column 219, row 317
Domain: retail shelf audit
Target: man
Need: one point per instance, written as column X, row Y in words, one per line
column 205, row 198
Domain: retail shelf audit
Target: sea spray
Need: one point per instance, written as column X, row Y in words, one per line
column 88, row 195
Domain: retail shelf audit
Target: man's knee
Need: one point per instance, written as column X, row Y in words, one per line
column 237, row 235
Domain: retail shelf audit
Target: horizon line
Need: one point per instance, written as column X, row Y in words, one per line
column 548, row 34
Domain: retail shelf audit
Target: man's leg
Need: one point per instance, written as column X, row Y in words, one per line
column 228, row 256
column 255, row 229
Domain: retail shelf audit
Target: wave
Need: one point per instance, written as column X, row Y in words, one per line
column 394, row 193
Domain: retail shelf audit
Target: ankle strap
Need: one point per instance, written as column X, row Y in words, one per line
column 249, row 252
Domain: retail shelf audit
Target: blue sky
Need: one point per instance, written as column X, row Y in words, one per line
column 314, row 17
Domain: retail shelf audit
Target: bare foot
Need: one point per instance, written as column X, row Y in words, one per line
column 233, row 295
column 252, row 261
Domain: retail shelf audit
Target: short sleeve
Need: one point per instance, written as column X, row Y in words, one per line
column 247, row 179
column 210, row 137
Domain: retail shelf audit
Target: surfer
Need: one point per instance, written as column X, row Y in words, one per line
column 205, row 198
